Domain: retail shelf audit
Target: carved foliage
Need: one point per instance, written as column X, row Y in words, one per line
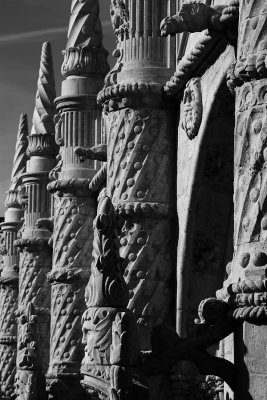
column 84, row 60
column 252, row 49
column 97, row 336
column 41, row 145
column 119, row 18
column 192, row 108
column 250, row 163
column 29, row 381
column 106, row 286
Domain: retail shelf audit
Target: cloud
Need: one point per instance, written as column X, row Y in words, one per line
column 24, row 36
column 31, row 35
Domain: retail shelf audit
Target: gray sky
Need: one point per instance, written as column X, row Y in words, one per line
column 24, row 26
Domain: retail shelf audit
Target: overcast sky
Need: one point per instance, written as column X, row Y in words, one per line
column 24, row 26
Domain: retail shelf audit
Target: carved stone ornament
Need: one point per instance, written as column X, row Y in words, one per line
column 84, row 60
column 119, row 18
column 29, row 382
column 192, row 108
column 105, row 270
column 196, row 16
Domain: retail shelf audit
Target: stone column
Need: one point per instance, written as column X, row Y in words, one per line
column 246, row 287
column 140, row 166
column 36, row 255
column 109, row 328
column 84, row 68
column 10, row 272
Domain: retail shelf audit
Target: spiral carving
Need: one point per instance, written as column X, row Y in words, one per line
column 44, row 112
column 19, row 162
column 84, row 27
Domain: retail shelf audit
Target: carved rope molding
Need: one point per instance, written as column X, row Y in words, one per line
column 207, row 47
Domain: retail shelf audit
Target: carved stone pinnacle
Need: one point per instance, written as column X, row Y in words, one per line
column 84, row 27
column 43, row 117
column 19, row 162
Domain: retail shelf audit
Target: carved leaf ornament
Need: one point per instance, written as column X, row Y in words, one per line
column 192, row 108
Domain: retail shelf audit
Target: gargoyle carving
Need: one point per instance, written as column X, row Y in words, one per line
column 93, row 153
column 195, row 16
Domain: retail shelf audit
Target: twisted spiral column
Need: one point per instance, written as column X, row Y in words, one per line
column 36, row 254
column 79, row 125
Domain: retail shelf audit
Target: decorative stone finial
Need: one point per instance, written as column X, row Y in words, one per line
column 19, row 162
column 43, row 116
column 84, row 51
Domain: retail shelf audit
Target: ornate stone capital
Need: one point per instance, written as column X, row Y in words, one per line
column 84, row 61
column 42, row 145
column 84, row 54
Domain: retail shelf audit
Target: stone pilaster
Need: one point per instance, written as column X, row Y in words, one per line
column 246, row 287
column 36, row 254
column 10, row 272
column 79, row 125
column 140, row 160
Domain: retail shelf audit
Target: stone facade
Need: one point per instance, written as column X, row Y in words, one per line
column 139, row 271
